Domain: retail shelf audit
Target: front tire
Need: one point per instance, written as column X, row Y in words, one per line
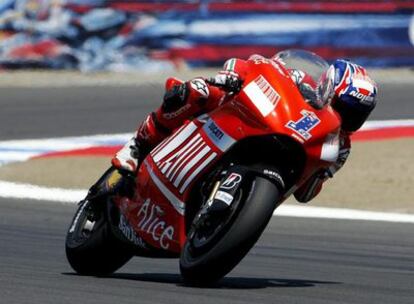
column 91, row 247
column 254, row 211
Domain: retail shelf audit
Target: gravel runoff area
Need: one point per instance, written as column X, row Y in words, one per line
column 69, row 78
column 378, row 176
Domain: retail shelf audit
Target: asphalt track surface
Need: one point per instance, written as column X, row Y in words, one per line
column 295, row 261
column 72, row 111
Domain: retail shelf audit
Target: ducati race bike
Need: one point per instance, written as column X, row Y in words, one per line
column 206, row 193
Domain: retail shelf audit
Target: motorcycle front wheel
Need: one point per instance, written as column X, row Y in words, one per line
column 91, row 247
column 207, row 258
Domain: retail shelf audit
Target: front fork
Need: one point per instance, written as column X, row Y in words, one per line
column 224, row 191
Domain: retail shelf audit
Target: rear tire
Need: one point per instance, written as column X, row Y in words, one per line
column 254, row 212
column 91, row 247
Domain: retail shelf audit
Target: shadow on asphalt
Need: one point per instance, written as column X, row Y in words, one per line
column 225, row 283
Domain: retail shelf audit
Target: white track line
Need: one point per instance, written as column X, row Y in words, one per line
column 31, row 192
column 343, row 214
column 27, row 191
column 384, row 124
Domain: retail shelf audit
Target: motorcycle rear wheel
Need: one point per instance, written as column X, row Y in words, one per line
column 254, row 211
column 91, row 247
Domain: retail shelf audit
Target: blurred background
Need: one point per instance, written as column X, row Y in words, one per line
column 125, row 35
column 78, row 76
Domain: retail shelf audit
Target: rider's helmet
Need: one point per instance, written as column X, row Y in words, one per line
column 355, row 94
column 344, row 85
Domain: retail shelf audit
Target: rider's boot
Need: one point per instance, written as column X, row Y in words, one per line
column 120, row 177
column 113, row 181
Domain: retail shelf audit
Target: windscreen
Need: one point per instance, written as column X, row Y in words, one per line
column 311, row 73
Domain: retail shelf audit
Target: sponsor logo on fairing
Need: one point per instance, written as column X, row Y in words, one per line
column 224, row 197
column 129, row 233
column 262, row 95
column 219, row 138
column 257, row 59
column 215, row 130
column 186, row 160
column 305, row 124
column 275, row 62
column 183, row 157
column 151, row 222
column 231, row 181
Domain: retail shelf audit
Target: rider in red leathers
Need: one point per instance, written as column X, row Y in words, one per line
column 186, row 100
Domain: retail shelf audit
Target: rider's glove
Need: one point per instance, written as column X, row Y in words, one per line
column 229, row 81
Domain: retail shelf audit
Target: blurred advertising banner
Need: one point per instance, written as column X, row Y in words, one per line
column 94, row 35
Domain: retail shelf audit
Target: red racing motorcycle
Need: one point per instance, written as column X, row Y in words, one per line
column 206, row 193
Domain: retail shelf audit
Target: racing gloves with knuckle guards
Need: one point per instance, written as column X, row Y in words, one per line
column 227, row 80
column 176, row 97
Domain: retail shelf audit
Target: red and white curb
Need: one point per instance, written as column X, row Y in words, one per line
column 22, row 150
column 107, row 145
column 31, row 192
column 385, row 129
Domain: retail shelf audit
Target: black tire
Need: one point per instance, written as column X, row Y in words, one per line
column 95, row 251
column 254, row 212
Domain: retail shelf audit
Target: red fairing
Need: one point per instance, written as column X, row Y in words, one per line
column 269, row 103
column 164, row 181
